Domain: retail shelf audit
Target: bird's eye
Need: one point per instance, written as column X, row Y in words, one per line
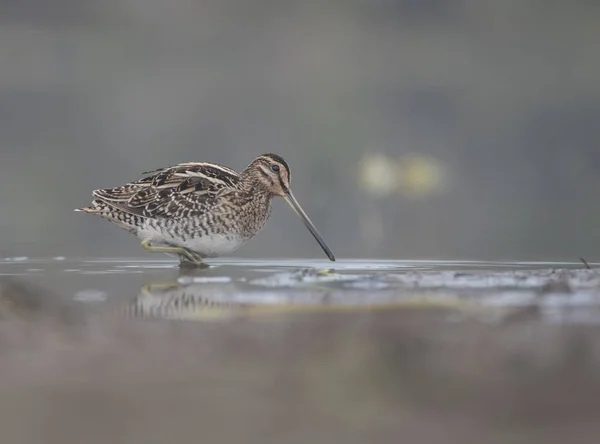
column 275, row 168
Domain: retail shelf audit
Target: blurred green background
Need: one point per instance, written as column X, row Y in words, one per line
column 414, row 128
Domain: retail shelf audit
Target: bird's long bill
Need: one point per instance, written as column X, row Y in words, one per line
column 290, row 199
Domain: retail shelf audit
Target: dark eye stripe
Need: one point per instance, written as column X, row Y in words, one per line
column 264, row 173
column 281, row 183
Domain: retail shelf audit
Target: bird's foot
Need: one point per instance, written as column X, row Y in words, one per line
column 191, row 259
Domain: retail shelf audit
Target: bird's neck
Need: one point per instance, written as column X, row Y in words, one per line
column 250, row 183
column 253, row 206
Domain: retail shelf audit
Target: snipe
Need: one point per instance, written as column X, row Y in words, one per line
column 200, row 210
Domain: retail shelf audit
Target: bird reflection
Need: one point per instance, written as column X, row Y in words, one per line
column 198, row 295
column 182, row 301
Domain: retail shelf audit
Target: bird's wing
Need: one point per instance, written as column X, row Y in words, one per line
column 175, row 191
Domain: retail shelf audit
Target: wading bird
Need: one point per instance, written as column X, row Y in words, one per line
column 200, row 210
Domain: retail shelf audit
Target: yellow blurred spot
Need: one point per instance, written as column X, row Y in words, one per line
column 419, row 175
column 378, row 174
column 414, row 175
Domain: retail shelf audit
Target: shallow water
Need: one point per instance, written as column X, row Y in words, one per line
column 138, row 350
column 560, row 292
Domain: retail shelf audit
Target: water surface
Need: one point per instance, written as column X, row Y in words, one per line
column 135, row 350
column 562, row 292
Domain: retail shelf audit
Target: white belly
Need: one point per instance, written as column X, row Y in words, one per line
column 206, row 246
column 213, row 246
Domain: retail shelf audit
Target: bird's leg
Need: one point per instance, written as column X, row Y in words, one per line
column 189, row 257
column 185, row 255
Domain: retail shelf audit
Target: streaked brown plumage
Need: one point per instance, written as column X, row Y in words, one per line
column 200, row 209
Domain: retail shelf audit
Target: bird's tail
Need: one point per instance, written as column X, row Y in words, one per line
column 106, row 211
column 98, row 207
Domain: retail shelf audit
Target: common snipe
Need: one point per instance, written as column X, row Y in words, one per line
column 199, row 210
